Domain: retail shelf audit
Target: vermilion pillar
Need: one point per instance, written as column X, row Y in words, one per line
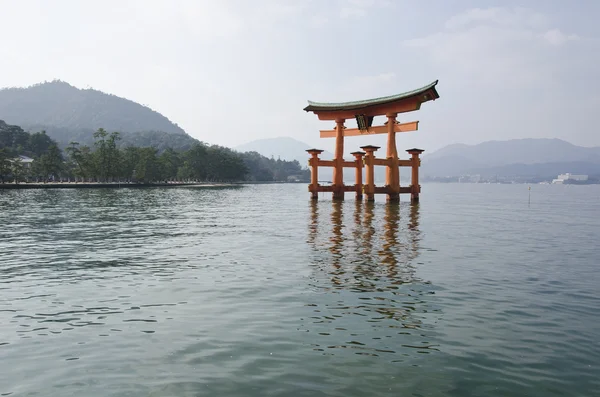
column 359, row 167
column 338, row 170
column 392, row 176
column 313, row 188
column 415, row 188
column 370, row 170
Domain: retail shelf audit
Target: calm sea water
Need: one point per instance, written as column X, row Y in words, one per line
column 256, row 291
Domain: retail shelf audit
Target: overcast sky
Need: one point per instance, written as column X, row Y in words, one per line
column 231, row 71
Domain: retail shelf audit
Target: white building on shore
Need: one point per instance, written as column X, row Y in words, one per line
column 569, row 177
column 26, row 161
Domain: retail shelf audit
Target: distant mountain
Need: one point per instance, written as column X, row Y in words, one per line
column 518, row 157
column 290, row 149
column 544, row 158
column 285, row 148
column 539, row 170
column 68, row 113
column 525, row 151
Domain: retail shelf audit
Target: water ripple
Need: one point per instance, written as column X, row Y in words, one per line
column 259, row 291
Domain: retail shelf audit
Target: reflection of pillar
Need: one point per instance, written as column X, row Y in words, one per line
column 359, row 167
column 338, row 169
column 337, row 239
column 414, row 217
column 313, row 188
column 369, row 229
column 358, row 232
column 314, row 221
column 414, row 234
column 415, row 188
column 370, row 171
column 390, row 245
column 392, row 175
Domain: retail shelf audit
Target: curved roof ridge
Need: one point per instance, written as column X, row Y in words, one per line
column 312, row 105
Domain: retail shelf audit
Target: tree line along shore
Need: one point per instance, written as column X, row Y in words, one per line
column 36, row 158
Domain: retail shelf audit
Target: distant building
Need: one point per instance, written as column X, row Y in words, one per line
column 562, row 178
column 26, row 161
column 469, row 179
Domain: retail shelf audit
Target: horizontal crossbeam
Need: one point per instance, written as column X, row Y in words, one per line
column 353, row 188
column 331, row 163
column 386, row 162
column 352, row 164
column 380, row 129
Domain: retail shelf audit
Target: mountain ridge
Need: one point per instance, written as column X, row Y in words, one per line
column 81, row 101
column 543, row 157
column 527, row 156
column 524, row 150
column 287, row 148
column 69, row 113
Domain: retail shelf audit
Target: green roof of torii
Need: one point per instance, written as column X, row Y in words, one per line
column 312, row 106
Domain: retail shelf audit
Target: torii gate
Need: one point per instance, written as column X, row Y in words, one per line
column 364, row 112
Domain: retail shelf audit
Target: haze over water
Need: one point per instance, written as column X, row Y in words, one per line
column 255, row 291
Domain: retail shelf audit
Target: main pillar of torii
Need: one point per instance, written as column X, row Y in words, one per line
column 364, row 113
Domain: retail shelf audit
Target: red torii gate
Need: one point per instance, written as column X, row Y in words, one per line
column 364, row 112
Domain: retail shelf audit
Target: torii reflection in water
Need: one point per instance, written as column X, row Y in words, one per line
column 371, row 247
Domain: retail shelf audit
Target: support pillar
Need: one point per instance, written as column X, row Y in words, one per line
column 392, row 176
column 370, row 170
column 338, row 170
column 313, row 161
column 359, row 167
column 415, row 187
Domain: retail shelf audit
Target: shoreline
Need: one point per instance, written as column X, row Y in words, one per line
column 95, row 185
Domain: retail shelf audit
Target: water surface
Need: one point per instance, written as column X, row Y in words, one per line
column 257, row 291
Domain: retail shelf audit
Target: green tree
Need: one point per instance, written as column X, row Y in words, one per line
column 223, row 165
column 107, row 156
column 101, row 155
column 18, row 170
column 13, row 137
column 39, row 143
column 113, row 156
column 147, row 167
column 50, row 164
column 196, row 164
column 5, row 164
column 75, row 160
column 130, row 157
column 169, row 162
column 88, row 163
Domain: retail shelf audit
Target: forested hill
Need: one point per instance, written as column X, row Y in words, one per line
column 107, row 160
column 68, row 113
column 56, row 114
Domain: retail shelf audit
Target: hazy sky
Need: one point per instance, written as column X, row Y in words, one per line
column 231, row 71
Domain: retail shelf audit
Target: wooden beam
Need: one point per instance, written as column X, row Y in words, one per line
column 385, row 162
column 380, row 129
column 384, row 190
column 320, row 188
column 350, row 164
column 331, row 163
column 326, row 163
